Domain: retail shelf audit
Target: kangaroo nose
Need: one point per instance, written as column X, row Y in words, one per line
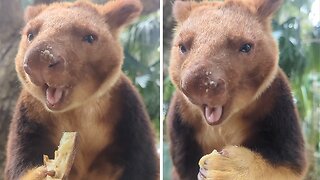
column 201, row 86
column 42, row 62
column 51, row 60
column 42, row 59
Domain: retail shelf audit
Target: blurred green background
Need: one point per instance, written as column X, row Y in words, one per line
column 142, row 61
column 297, row 28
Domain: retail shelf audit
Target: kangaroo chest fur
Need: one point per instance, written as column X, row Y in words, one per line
column 95, row 134
column 231, row 133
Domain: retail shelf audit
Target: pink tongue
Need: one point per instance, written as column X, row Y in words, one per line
column 213, row 115
column 53, row 95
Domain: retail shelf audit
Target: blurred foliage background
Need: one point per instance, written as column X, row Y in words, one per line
column 142, row 59
column 297, row 29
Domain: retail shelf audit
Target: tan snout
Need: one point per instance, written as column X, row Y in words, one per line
column 43, row 62
column 203, row 85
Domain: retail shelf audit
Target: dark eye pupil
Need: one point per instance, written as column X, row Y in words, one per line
column 89, row 38
column 245, row 48
column 30, row 36
column 183, row 49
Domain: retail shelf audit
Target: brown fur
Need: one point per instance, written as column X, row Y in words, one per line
column 251, row 88
column 99, row 101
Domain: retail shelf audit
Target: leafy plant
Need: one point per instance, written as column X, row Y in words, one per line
column 142, row 61
column 299, row 44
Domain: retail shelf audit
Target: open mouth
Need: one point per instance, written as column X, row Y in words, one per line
column 54, row 96
column 213, row 114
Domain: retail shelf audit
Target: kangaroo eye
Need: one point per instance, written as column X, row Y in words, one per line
column 89, row 38
column 245, row 48
column 182, row 48
column 30, row 36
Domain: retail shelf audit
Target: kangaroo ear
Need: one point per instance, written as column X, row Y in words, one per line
column 33, row 11
column 182, row 9
column 263, row 8
column 266, row 8
column 121, row 12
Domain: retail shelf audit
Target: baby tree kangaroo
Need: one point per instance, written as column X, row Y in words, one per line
column 69, row 63
column 231, row 95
